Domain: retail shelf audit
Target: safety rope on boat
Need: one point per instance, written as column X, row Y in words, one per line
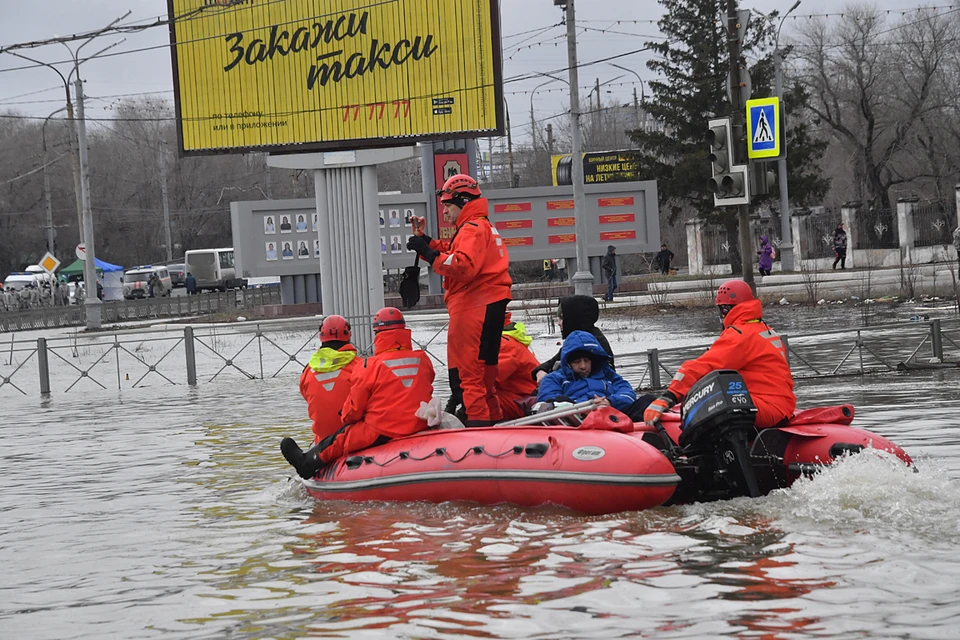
column 533, row 450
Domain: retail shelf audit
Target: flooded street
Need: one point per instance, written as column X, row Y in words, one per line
column 168, row 512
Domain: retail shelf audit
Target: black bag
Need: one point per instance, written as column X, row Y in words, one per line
column 410, row 285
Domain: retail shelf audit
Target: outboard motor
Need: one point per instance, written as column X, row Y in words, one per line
column 718, row 420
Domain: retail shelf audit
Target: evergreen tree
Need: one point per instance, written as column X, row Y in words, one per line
column 692, row 67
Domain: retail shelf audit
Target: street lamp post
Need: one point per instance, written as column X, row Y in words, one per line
column 643, row 97
column 786, row 234
column 73, row 137
column 582, row 279
column 533, row 121
column 509, row 142
column 46, row 181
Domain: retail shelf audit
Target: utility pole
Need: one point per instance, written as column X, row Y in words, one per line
column 550, row 139
column 737, row 114
column 92, row 303
column 166, row 203
column 582, row 279
column 509, row 144
column 786, row 231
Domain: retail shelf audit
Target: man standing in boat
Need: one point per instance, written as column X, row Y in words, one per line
column 474, row 265
column 748, row 345
column 386, row 393
column 328, row 377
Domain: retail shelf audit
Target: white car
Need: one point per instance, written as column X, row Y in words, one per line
column 136, row 282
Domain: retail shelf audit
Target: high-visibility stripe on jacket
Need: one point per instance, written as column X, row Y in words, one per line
column 751, row 347
column 474, row 263
column 387, row 391
column 515, row 370
column 325, row 384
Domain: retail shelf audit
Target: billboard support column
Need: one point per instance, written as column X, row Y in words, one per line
column 434, row 284
column 582, row 279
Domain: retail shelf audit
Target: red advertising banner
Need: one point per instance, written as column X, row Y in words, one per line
column 563, row 238
column 447, row 165
column 618, row 235
column 617, row 217
column 561, row 222
column 553, row 205
column 519, row 241
column 512, row 207
column 615, row 202
column 514, row 224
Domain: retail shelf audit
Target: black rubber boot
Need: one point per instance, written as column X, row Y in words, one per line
column 306, row 463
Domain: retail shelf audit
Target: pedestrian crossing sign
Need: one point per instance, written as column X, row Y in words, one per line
column 763, row 128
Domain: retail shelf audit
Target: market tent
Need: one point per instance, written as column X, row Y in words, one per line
column 76, row 268
column 110, row 276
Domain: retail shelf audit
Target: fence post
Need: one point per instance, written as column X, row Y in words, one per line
column 191, row 356
column 936, row 340
column 786, row 348
column 694, row 246
column 653, row 364
column 848, row 215
column 44, row 366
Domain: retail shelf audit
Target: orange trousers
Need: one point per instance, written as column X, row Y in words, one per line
column 473, row 348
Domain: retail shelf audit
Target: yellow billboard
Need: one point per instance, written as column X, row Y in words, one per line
column 309, row 75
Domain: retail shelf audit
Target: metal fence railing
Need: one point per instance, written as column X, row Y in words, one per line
column 816, row 234
column 716, row 245
column 239, row 353
column 120, row 310
column 933, row 223
column 876, row 229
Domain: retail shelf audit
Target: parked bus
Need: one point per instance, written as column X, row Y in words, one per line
column 213, row 269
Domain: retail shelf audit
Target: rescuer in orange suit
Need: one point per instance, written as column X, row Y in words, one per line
column 746, row 344
column 515, row 369
column 327, row 378
column 386, row 393
column 474, row 265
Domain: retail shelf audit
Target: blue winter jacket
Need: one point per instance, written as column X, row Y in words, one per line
column 603, row 380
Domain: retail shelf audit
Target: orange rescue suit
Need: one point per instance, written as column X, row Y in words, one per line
column 755, row 350
column 475, row 269
column 515, row 370
column 325, row 384
column 387, row 391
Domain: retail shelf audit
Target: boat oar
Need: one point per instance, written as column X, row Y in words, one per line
column 554, row 414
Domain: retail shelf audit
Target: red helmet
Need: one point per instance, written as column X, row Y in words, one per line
column 733, row 292
column 459, row 186
column 388, row 318
column 335, row 328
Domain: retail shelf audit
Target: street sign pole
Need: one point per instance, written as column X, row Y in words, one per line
column 736, row 26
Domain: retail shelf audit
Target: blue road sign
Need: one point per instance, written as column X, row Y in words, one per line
column 763, row 128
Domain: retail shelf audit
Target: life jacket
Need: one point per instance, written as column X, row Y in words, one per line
column 515, row 366
column 325, row 383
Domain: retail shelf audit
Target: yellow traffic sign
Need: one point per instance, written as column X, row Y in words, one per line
column 763, row 128
column 49, row 263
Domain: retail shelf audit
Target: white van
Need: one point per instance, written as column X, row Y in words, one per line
column 20, row 279
column 136, row 282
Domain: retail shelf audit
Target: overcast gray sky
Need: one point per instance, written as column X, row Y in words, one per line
column 148, row 70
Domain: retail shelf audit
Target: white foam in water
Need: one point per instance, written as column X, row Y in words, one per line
column 875, row 489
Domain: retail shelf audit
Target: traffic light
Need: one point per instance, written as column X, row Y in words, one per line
column 728, row 182
column 763, row 179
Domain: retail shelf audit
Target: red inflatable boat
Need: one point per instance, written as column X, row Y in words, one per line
column 606, row 464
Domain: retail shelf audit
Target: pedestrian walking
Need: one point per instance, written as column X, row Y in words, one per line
column 663, row 259
column 840, row 246
column 766, row 256
column 608, row 264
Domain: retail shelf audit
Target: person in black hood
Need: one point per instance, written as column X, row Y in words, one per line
column 575, row 313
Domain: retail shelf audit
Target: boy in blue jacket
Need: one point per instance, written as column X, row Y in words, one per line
column 585, row 373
